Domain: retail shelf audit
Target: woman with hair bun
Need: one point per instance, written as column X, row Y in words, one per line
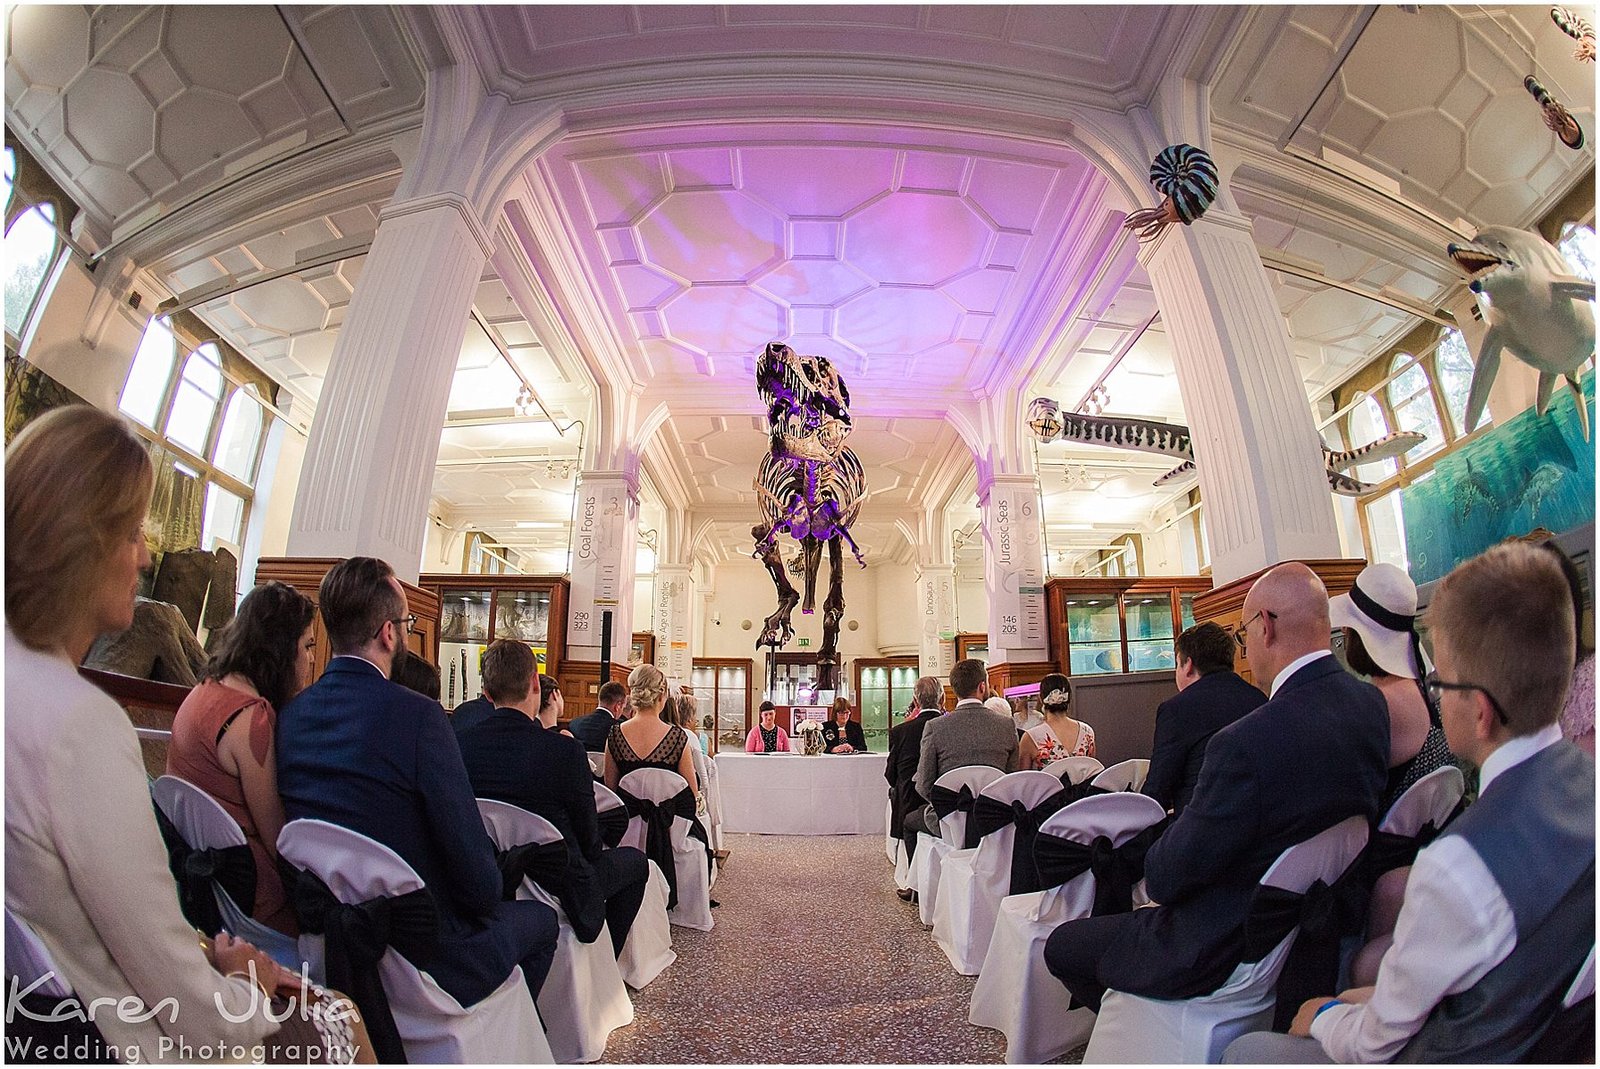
column 224, row 732
column 1060, row 735
column 662, row 745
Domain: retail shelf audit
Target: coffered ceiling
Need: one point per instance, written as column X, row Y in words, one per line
column 933, row 266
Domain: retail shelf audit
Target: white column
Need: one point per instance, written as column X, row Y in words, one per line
column 369, row 463
column 604, row 538
column 673, row 619
column 1013, row 572
column 1255, row 443
column 936, row 601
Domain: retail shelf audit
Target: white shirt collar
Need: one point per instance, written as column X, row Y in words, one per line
column 1294, row 666
column 358, row 657
column 1513, row 752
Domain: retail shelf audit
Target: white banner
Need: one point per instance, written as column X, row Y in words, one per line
column 672, row 611
column 936, row 599
column 1014, row 570
column 602, row 564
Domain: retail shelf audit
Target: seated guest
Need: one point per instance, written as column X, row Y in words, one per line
column 551, row 705
column 1499, row 910
column 1577, row 715
column 222, row 735
column 1379, row 618
column 646, row 739
column 360, row 751
column 1315, row 753
column 967, row 735
column 470, row 713
column 841, row 734
column 591, row 729
column 513, row 757
column 85, row 865
column 905, row 748
column 1060, row 735
column 413, row 673
column 1210, row 697
column 767, row 736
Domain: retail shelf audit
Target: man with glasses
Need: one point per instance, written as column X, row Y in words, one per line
column 1498, row 915
column 360, row 751
column 1315, row 753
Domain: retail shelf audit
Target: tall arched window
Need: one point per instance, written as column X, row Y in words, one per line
column 1367, row 424
column 1411, row 400
column 1579, row 246
column 1453, row 366
column 32, row 247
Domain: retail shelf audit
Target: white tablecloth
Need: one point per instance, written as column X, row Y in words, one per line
column 785, row 794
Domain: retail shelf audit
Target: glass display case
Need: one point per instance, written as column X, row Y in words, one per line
column 476, row 610
column 1101, row 626
column 722, row 689
column 972, row 644
column 883, row 690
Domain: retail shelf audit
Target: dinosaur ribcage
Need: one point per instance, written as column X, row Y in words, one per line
column 812, row 496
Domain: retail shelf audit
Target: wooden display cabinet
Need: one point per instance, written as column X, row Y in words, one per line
column 1120, row 624
column 305, row 575
column 475, row 610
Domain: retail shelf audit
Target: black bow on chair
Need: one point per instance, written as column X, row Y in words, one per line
column 357, row 937
column 989, row 815
column 1386, row 850
column 233, row 868
column 543, row 863
column 613, row 825
column 658, row 832
column 945, row 801
column 1324, row 915
column 1116, row 868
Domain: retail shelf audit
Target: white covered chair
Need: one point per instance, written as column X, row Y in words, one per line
column 648, row 949
column 28, row 962
column 972, row 882
column 1430, row 800
column 1123, row 776
column 705, row 770
column 659, row 786
column 1074, row 770
column 1135, row 1029
column 433, row 1026
column 597, row 763
column 931, row 851
column 203, row 824
column 583, row 999
column 1015, row 992
column 890, row 843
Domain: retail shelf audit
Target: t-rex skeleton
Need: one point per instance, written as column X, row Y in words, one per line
column 1172, row 439
column 810, row 486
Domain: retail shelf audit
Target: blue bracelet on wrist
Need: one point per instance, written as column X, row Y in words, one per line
column 1330, row 1004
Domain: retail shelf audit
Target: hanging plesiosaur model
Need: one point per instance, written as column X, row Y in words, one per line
column 1188, row 178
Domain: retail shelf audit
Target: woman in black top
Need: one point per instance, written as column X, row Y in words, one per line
column 841, row 734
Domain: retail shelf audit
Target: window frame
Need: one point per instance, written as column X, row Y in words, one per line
column 21, row 200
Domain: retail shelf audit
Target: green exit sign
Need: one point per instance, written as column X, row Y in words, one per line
column 804, row 642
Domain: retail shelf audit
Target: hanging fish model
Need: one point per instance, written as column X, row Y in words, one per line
column 1172, row 439
column 1556, row 116
column 1578, row 28
column 1536, row 309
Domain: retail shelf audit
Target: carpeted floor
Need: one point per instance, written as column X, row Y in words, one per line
column 813, row 959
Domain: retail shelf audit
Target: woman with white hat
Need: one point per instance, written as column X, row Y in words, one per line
column 1379, row 617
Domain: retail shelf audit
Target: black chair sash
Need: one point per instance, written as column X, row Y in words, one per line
column 356, row 938
column 658, row 832
column 1324, row 915
column 1075, row 792
column 1386, row 851
column 989, row 815
column 1116, row 868
column 543, row 863
column 945, row 801
column 233, row 868
column 613, row 825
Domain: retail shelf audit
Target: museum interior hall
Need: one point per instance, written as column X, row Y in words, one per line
column 802, row 352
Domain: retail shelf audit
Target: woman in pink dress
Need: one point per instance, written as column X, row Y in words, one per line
column 222, row 737
column 1060, row 735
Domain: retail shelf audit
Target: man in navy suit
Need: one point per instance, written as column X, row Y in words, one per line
column 512, row 758
column 1210, row 697
column 359, row 751
column 593, row 729
column 1315, row 753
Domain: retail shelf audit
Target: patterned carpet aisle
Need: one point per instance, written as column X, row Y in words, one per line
column 813, row 959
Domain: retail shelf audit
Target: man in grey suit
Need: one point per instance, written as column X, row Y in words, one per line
column 967, row 735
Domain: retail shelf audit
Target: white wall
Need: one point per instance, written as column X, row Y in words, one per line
column 899, row 624
column 57, row 348
column 744, row 591
column 972, row 602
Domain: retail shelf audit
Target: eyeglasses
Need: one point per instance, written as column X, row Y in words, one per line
column 1436, row 688
column 410, row 622
column 1240, row 633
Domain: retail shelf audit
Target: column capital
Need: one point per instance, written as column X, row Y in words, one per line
column 988, row 481
column 432, row 201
